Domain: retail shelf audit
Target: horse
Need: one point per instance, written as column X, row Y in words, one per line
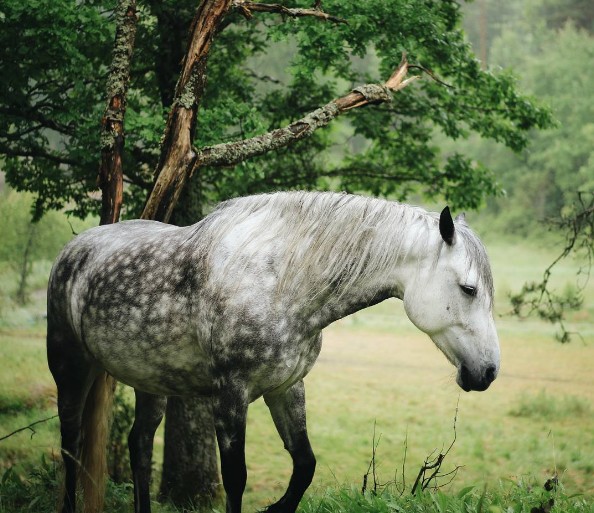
column 233, row 307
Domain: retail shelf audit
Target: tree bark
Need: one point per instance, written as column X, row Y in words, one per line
column 112, row 125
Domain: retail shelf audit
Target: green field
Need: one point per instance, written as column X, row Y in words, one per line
column 536, row 420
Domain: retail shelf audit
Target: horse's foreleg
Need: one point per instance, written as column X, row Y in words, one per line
column 148, row 415
column 230, row 416
column 288, row 413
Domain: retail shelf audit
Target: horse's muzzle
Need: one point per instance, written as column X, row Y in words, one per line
column 469, row 381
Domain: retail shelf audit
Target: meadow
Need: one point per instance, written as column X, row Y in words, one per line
column 377, row 373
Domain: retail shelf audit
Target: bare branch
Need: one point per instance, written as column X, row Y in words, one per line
column 246, row 9
column 228, row 154
column 372, row 467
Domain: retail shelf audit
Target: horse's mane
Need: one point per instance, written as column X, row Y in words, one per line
column 336, row 237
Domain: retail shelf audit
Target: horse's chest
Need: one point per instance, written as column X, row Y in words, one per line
column 263, row 364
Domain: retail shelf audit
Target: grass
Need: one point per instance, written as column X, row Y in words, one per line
column 375, row 368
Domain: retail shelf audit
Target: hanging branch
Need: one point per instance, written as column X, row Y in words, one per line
column 111, row 173
column 537, row 297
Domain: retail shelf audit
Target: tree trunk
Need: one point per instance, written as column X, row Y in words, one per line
column 112, row 125
column 177, row 154
column 25, row 266
column 190, row 470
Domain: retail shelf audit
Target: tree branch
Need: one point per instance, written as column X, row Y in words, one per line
column 228, row 154
column 36, row 153
column 32, row 113
column 110, row 177
column 246, row 8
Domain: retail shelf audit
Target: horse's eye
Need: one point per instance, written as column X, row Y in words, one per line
column 468, row 290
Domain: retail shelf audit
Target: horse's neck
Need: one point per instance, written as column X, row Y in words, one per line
column 412, row 249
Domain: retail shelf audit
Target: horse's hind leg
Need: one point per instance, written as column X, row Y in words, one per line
column 74, row 377
column 230, row 415
column 148, row 415
column 288, row 413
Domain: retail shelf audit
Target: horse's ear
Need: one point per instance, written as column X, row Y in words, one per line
column 446, row 226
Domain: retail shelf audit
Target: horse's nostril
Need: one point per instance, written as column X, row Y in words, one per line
column 490, row 374
column 465, row 378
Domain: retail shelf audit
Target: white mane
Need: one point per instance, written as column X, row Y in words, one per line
column 333, row 238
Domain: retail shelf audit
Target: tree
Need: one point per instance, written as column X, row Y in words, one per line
column 49, row 117
column 52, row 99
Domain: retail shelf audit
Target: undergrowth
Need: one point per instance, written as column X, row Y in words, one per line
column 37, row 492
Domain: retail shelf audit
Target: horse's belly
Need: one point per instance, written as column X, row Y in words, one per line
column 164, row 367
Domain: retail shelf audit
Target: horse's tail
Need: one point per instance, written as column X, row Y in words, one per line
column 94, row 435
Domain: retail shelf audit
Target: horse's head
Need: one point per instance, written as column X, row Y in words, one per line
column 450, row 297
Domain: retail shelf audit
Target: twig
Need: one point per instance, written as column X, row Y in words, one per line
column 371, row 467
column 435, row 464
column 431, row 74
column 30, row 426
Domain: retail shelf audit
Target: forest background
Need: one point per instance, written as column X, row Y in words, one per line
column 546, row 44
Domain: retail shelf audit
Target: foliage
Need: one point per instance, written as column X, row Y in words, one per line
column 36, row 492
column 52, row 98
column 550, row 185
column 544, row 179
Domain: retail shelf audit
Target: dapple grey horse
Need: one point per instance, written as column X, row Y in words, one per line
column 233, row 307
